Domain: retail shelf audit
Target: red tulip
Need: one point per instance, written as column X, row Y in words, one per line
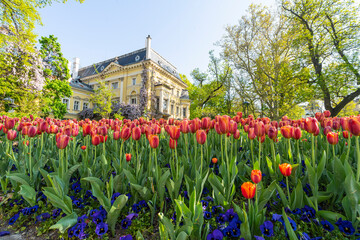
column 256, row 176
column 236, row 134
column 354, row 125
column 62, row 141
column 153, row 141
column 327, row 113
column 214, row 160
column 346, row 134
column 205, row 123
column 285, row 169
column 125, row 133
column 251, row 134
column 95, row 140
column 9, row 123
column 32, row 131
column 311, row 125
column 83, row 147
column 174, row 132
column 327, row 130
column 136, row 133
column 128, row 157
column 272, row 133
column 172, row 143
column 11, row 134
column 54, row 129
column 43, row 126
column 201, row 137
column 333, row 138
column 116, row 135
column 345, row 123
column 102, row 130
column 86, row 129
column 297, row 133
column 248, row 190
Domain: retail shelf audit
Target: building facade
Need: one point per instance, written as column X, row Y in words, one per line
column 125, row 76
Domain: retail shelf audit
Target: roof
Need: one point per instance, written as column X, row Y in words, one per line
column 184, row 94
column 128, row 59
column 77, row 83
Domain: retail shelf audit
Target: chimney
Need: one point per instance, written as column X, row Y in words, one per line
column 76, row 65
column 148, row 47
column 69, row 67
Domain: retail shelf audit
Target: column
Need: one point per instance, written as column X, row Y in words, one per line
column 161, row 103
column 121, row 89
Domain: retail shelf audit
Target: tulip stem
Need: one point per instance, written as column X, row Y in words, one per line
column 30, row 161
column 252, row 152
column 289, row 153
column 120, row 155
column 288, row 190
column 313, row 149
column 201, row 164
column 358, row 159
column 259, row 138
column 349, row 145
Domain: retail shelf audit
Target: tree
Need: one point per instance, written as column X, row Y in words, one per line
column 326, row 37
column 259, row 50
column 101, row 100
column 56, row 73
column 210, row 94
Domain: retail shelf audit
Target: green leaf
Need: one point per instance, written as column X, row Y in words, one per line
column 115, row 211
column 330, row 216
column 20, row 178
column 289, row 229
column 29, row 194
column 65, row 222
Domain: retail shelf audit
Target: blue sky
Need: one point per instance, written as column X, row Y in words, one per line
column 182, row 31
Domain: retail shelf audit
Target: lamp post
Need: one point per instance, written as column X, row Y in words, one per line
column 246, row 107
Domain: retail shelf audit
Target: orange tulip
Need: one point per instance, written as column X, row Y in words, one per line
column 333, row 138
column 86, row 129
column 327, row 113
column 287, row 131
column 311, row 125
column 248, row 190
column 214, row 160
column 259, row 129
column 174, row 132
column 224, row 124
column 345, row 123
column 153, row 141
column 11, row 134
column 256, row 176
column 116, row 135
column 346, row 134
column 83, row 147
column 128, row 157
column 136, row 133
column 172, row 143
column 205, row 123
column 201, row 137
column 62, row 141
column 285, row 169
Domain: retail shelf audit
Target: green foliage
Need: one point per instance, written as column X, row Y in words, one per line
column 101, row 99
column 53, row 92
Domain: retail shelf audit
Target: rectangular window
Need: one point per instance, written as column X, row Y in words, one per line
column 76, row 105
column 115, row 85
column 184, row 112
column 172, row 109
column 133, row 100
column 66, row 101
column 157, row 104
column 178, row 93
column 165, row 104
column 177, row 110
column 134, row 81
column 85, row 105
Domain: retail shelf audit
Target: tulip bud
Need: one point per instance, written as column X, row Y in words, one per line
column 251, row 134
column 354, row 125
column 95, row 140
column 214, row 160
column 172, row 143
column 285, row 169
column 272, row 133
column 333, row 138
column 128, row 157
column 174, row 132
column 311, row 125
column 62, row 141
column 256, row 176
column 327, row 113
column 83, row 147
column 224, row 124
column 201, row 137
column 136, row 133
column 346, row 134
column 297, row 133
column 259, row 129
column 248, row 190
column 9, row 123
column 11, row 134
column 153, row 141
column 236, row 134
column 125, row 133
column 32, row 131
